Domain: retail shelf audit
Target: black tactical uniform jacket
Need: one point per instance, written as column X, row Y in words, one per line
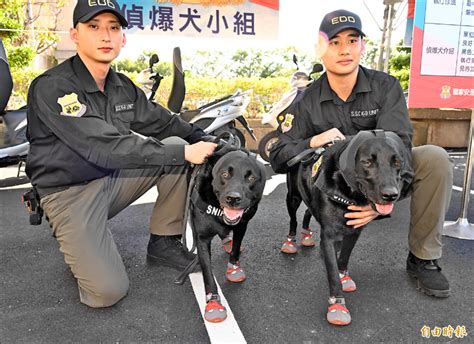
column 78, row 133
column 376, row 102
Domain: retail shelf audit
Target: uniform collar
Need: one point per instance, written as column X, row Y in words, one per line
column 362, row 85
column 88, row 81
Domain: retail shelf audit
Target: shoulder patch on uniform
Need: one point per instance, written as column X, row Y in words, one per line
column 287, row 124
column 70, row 105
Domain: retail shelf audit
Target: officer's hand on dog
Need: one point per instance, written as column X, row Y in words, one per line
column 197, row 153
column 361, row 215
column 328, row 137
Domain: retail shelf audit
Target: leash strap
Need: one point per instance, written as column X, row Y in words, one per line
column 299, row 157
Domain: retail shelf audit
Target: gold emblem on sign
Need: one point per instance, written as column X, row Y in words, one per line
column 445, row 92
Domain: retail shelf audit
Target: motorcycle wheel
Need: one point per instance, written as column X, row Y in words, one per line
column 239, row 136
column 266, row 144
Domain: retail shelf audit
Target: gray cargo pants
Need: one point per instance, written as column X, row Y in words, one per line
column 78, row 217
column 430, row 197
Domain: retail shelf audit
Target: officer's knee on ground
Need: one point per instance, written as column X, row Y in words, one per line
column 107, row 293
column 432, row 160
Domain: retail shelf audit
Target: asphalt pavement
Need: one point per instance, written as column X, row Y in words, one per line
column 283, row 300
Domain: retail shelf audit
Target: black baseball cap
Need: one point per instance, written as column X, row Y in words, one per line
column 337, row 21
column 85, row 10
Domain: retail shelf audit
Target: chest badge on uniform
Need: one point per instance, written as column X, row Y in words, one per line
column 70, row 106
column 287, row 124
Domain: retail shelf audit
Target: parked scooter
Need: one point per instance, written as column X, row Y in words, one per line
column 299, row 82
column 216, row 117
column 13, row 143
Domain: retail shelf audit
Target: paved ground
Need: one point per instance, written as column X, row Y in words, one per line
column 282, row 301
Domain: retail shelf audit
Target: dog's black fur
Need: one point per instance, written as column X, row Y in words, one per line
column 293, row 202
column 382, row 174
column 231, row 178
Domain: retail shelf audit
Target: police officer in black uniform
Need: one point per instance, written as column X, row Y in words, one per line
column 87, row 161
column 349, row 98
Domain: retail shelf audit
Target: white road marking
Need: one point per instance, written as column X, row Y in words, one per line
column 273, row 182
column 227, row 331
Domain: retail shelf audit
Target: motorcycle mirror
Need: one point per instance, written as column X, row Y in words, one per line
column 317, row 68
column 153, row 59
column 295, row 61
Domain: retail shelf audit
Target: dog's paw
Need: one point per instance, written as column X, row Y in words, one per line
column 338, row 314
column 289, row 246
column 215, row 312
column 227, row 244
column 347, row 283
column 307, row 239
column 235, row 273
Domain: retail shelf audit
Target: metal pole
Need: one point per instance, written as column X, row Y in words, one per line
column 391, row 11
column 382, row 40
column 461, row 228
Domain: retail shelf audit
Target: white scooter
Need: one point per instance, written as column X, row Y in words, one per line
column 299, row 82
column 214, row 118
column 14, row 146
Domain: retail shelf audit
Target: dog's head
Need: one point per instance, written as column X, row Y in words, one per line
column 378, row 170
column 377, row 167
column 238, row 182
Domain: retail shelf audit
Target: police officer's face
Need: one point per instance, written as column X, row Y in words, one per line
column 100, row 39
column 341, row 54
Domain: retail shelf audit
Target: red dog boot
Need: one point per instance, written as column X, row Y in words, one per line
column 227, row 244
column 338, row 314
column 235, row 273
column 347, row 282
column 214, row 311
column 307, row 239
column 289, row 245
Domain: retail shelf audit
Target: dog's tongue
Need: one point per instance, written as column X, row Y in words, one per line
column 384, row 209
column 233, row 214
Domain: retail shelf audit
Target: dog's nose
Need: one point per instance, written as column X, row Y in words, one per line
column 389, row 194
column 233, row 198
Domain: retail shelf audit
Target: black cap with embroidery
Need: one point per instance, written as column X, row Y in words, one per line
column 85, row 10
column 337, row 21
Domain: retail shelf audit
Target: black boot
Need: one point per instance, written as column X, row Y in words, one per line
column 429, row 278
column 169, row 251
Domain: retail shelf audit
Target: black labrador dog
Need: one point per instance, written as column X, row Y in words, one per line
column 225, row 196
column 372, row 168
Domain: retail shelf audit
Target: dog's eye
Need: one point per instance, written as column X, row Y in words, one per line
column 366, row 163
column 252, row 178
column 397, row 163
column 225, row 174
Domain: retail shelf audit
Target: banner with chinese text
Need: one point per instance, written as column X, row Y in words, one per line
column 255, row 19
column 442, row 62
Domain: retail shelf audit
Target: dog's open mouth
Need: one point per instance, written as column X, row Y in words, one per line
column 232, row 216
column 384, row 209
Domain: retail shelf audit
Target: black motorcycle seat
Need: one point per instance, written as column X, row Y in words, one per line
column 188, row 115
column 11, row 119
